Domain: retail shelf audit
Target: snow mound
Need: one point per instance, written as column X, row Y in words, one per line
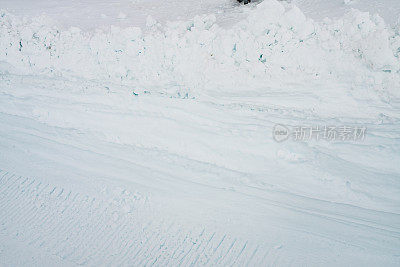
column 273, row 44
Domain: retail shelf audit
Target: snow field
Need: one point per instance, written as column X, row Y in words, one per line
column 153, row 146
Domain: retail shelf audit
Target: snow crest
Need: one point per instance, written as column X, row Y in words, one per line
column 273, row 44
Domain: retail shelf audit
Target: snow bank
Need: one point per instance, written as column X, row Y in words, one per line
column 273, row 44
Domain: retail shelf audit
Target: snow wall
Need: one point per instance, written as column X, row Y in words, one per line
column 274, row 44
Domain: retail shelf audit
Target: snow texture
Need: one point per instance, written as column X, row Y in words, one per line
column 131, row 134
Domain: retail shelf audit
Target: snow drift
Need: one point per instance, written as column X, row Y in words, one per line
column 273, row 44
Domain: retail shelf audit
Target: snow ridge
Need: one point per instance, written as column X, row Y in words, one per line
column 272, row 44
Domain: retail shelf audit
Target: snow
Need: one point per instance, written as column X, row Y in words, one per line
column 353, row 45
column 139, row 133
column 317, row 9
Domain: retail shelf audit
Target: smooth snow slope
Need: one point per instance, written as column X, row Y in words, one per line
column 93, row 14
column 150, row 142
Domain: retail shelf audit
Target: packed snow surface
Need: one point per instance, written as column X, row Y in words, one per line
column 141, row 133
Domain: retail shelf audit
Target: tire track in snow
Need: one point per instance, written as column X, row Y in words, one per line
column 85, row 230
